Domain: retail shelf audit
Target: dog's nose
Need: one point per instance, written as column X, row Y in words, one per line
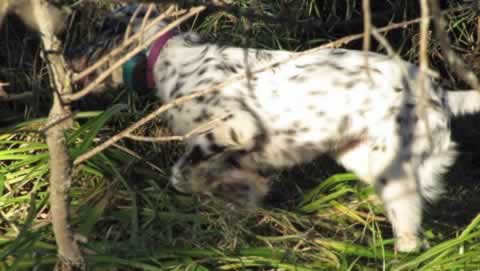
column 179, row 182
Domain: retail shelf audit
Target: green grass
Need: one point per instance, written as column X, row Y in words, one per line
column 128, row 217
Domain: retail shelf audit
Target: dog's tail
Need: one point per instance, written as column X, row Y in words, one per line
column 463, row 102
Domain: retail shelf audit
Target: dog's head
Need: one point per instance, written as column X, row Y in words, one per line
column 110, row 33
column 220, row 178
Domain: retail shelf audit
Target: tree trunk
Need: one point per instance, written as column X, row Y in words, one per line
column 59, row 119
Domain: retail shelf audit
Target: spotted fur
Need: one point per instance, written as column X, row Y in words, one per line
column 367, row 118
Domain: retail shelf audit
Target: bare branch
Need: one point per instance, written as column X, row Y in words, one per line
column 69, row 253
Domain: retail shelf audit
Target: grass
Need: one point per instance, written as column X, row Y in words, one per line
column 129, row 218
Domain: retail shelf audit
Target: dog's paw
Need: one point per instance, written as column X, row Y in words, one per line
column 408, row 244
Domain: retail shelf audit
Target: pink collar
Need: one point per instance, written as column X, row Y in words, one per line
column 153, row 56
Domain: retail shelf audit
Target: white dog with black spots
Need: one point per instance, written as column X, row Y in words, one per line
column 366, row 117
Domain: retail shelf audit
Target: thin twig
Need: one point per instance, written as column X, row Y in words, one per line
column 478, row 34
column 391, row 52
column 367, row 30
column 422, row 77
column 147, row 16
column 347, row 39
column 104, row 75
column 57, row 121
column 198, row 130
column 477, row 11
column 252, row 14
column 119, row 50
column 146, row 119
column 384, row 42
column 136, row 155
column 108, row 57
column 128, row 31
